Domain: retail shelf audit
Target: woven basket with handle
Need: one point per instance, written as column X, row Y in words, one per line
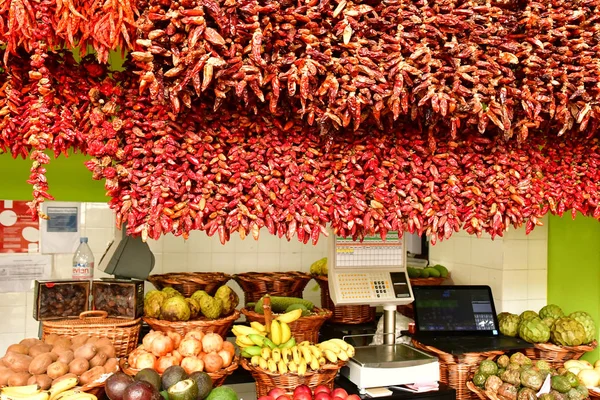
column 256, row 284
column 557, row 355
column 304, row 328
column 220, row 326
column 123, row 333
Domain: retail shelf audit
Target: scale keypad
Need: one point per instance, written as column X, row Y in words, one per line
column 365, row 286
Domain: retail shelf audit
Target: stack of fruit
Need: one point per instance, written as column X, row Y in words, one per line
column 81, row 358
column 170, row 305
column 196, row 351
column 62, row 389
column 303, row 392
column 437, row 271
column 551, row 324
column 588, row 374
column 279, row 333
column 175, row 384
column 519, row 378
column 281, row 304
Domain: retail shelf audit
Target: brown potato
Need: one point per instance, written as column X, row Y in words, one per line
column 32, row 380
column 111, row 365
column 5, row 373
column 66, row 357
column 38, row 349
column 18, row 379
column 67, row 376
column 101, row 342
column 78, row 366
column 51, row 338
column 87, row 351
column 30, row 342
column 99, row 359
column 93, row 339
column 57, row 369
column 108, row 350
column 43, row 381
column 79, row 340
column 40, row 364
column 63, row 341
column 17, row 362
column 18, row 348
column 91, row 375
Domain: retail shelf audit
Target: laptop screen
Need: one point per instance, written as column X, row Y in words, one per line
column 455, row 310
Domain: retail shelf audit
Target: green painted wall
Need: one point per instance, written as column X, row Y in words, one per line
column 68, row 178
column 574, row 266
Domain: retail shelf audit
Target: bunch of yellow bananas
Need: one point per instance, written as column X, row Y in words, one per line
column 300, row 358
column 336, row 349
column 251, row 339
column 62, row 390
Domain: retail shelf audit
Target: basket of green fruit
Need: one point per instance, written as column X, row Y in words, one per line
column 427, row 276
column 187, row 283
column 168, row 310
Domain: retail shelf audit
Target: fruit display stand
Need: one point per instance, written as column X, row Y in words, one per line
column 359, row 314
column 304, row 328
column 188, row 282
column 123, row 333
column 256, row 284
column 220, row 325
column 456, row 370
column 557, row 355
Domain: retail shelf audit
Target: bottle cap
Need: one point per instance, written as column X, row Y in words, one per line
column 83, row 240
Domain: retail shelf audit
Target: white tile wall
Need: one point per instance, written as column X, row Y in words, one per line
column 173, row 254
column 514, row 266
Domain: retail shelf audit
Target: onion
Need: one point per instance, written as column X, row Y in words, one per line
column 212, row 362
column 190, row 347
column 212, row 342
column 149, row 338
column 229, row 347
column 161, row 346
column 177, row 356
column 196, row 334
column 175, row 337
column 227, row 359
column 589, row 378
column 164, row 363
column 192, row 364
column 145, row 360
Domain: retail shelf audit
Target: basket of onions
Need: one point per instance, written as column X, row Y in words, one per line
column 196, row 351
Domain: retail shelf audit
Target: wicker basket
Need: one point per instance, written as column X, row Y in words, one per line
column 220, row 326
column 123, row 333
column 187, row 283
column 218, row 378
column 304, row 328
column 480, row 393
column 256, row 284
column 455, row 371
column 557, row 355
column 266, row 381
column 343, row 314
column 594, row 393
column 428, row 281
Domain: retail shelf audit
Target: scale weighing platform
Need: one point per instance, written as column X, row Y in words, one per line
column 373, row 272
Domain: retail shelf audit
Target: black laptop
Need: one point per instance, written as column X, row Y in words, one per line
column 460, row 319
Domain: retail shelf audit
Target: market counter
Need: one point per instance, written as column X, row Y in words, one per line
column 443, row 393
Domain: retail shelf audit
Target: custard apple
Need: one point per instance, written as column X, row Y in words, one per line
column 527, row 394
column 493, row 383
column 512, row 377
column 210, row 307
column 543, row 365
column 503, row 361
column 229, row 298
column 488, row 367
column 520, row 359
column 527, row 315
column 534, row 331
column 503, row 315
column 549, row 322
column 551, row 311
column 532, row 379
column 560, row 384
column 508, row 391
column 194, row 306
column 175, row 309
column 587, row 321
column 509, row 325
column 567, row 332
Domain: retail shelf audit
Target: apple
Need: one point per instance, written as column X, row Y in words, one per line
column 303, row 396
column 322, row 396
column 322, row 388
column 276, row 392
column 267, row 397
column 353, row 397
column 302, row 389
column 339, row 392
column 284, row 397
column 338, row 398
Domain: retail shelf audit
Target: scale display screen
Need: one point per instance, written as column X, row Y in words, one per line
column 371, row 252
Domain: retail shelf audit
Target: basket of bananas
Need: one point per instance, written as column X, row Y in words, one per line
column 275, row 359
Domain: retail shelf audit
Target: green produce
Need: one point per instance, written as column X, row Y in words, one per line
column 572, row 379
column 198, row 294
column 549, row 322
column 560, row 384
column 162, row 296
column 503, row 315
column 527, row 394
column 413, row 272
column 222, row 393
column 172, row 375
column 500, row 371
column 194, row 306
column 551, row 311
column 567, row 332
column 534, row 330
column 443, row 270
column 151, row 376
column 175, row 309
column 488, row 367
column 558, row 395
column 203, row 382
column 433, row 273
column 164, row 395
column 520, row 359
column 319, row 267
column 532, row 379
column 479, row 379
column 424, row 273
column 588, row 323
column 228, row 297
column 183, row 390
column 302, row 307
column 170, row 292
column 152, row 307
column 210, row 307
column 503, row 361
column 493, row 383
column 280, row 304
column 511, row 376
column 527, row 315
column 513, row 367
column 508, row 391
column 547, row 396
column 543, row 365
column 509, row 325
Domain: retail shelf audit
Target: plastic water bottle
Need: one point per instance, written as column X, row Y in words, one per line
column 83, row 261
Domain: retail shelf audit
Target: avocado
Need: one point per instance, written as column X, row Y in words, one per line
column 172, row 375
column 222, row 393
column 433, row 273
column 204, row 383
column 413, row 272
column 443, row 270
column 149, row 375
column 116, row 385
column 183, row 390
column 425, row 273
column 141, row 391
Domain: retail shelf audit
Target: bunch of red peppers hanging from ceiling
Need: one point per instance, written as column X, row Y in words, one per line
column 366, row 117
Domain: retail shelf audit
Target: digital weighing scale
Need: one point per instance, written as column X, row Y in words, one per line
column 373, row 272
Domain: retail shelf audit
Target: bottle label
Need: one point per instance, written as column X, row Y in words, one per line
column 83, row 271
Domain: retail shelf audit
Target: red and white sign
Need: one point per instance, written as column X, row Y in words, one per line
column 19, row 233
